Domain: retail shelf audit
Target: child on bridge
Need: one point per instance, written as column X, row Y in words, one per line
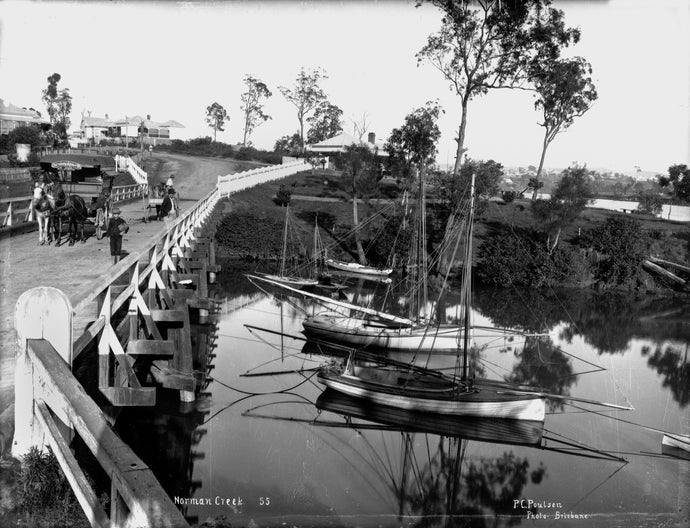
column 116, row 228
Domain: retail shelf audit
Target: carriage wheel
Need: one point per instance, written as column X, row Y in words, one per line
column 100, row 223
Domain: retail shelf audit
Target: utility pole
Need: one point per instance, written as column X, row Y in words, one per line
column 141, row 142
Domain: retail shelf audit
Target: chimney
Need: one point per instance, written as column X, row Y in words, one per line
column 371, row 138
column 106, row 116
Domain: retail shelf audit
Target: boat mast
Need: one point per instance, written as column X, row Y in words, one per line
column 420, row 250
column 467, row 281
column 285, row 230
column 317, row 257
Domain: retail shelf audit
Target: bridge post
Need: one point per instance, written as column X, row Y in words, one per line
column 40, row 313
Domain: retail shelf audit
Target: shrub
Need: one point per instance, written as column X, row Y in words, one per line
column 522, row 260
column 509, row 196
column 392, row 243
column 24, row 134
column 650, row 203
column 623, row 244
column 250, row 235
column 283, row 196
column 45, row 497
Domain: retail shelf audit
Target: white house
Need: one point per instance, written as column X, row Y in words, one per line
column 152, row 132
column 12, row 116
column 97, row 128
column 339, row 142
column 122, row 130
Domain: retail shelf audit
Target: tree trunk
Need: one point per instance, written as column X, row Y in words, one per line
column 358, row 240
column 300, row 117
column 461, row 138
column 444, row 264
column 545, row 145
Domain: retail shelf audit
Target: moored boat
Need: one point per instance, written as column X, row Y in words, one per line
column 416, row 388
column 371, row 332
column 423, row 390
column 495, row 430
column 354, row 267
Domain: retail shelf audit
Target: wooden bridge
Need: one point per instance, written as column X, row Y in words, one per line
column 137, row 316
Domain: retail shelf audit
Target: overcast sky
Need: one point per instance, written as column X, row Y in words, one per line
column 173, row 59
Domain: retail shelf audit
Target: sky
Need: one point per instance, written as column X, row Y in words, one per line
column 171, row 60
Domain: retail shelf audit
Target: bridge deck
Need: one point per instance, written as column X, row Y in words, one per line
column 24, row 264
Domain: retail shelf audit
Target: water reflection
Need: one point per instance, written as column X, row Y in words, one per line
column 329, row 461
column 167, row 438
column 672, row 365
column 543, row 364
column 425, row 466
column 607, row 322
column 424, row 462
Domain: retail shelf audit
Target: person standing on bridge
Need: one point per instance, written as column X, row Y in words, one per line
column 116, row 228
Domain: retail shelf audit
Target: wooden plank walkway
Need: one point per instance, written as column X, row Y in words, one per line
column 24, row 264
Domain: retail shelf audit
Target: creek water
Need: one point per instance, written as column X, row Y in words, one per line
column 274, row 450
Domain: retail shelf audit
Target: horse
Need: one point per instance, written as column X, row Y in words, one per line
column 76, row 212
column 43, row 208
column 57, row 198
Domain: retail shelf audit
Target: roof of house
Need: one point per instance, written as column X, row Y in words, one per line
column 338, row 143
column 138, row 120
column 172, row 124
column 102, row 122
column 10, row 112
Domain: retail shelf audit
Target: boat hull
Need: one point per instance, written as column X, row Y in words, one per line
column 362, row 332
column 514, row 432
column 353, row 267
column 485, row 402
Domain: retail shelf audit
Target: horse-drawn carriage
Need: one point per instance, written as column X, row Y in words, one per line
column 87, row 190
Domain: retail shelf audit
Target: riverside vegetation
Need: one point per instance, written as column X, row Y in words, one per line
column 515, row 246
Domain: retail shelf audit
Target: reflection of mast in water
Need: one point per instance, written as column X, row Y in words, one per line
column 437, row 487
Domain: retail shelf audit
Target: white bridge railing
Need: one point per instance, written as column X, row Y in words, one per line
column 244, row 180
column 16, row 210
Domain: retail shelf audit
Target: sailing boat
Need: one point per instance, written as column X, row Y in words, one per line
column 282, row 277
column 378, row 331
column 417, row 388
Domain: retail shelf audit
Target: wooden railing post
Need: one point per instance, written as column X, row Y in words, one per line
column 40, row 313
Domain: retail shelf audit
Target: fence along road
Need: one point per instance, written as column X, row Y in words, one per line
column 76, row 270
